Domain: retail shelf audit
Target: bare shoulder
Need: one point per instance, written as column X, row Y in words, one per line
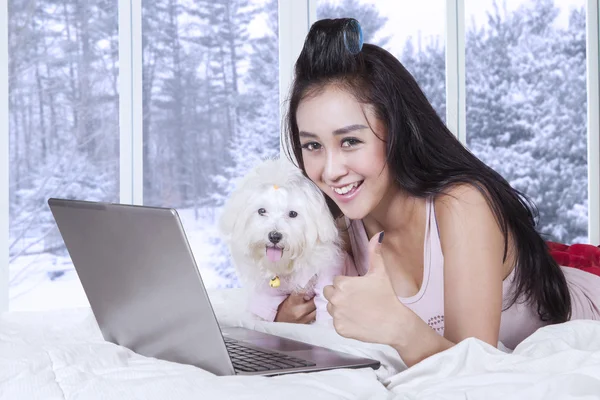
column 462, row 201
column 465, row 216
column 344, row 234
column 461, row 197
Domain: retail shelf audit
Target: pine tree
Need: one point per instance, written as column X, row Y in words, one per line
column 371, row 21
column 526, row 107
column 428, row 67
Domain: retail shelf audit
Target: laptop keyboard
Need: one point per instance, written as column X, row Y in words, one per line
column 249, row 359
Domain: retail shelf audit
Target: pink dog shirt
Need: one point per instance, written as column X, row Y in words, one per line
column 265, row 301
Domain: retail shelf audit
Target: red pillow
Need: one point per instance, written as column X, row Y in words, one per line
column 585, row 257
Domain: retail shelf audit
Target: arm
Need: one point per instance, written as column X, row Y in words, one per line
column 419, row 340
column 473, row 247
column 297, row 310
column 367, row 308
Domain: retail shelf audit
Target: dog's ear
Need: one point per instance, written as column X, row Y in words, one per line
column 226, row 221
column 325, row 229
column 233, row 207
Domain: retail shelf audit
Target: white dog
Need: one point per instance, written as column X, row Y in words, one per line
column 282, row 238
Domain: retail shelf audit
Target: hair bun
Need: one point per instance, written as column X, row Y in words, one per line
column 330, row 48
column 353, row 36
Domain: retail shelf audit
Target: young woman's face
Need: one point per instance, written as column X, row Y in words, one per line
column 342, row 155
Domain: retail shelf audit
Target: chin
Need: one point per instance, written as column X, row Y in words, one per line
column 356, row 209
column 278, row 228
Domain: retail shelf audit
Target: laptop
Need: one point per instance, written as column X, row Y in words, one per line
column 146, row 293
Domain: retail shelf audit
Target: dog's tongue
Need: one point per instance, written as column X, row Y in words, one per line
column 274, row 254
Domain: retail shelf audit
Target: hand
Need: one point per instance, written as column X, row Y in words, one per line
column 366, row 307
column 296, row 309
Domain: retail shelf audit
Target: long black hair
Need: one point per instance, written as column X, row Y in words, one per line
column 423, row 156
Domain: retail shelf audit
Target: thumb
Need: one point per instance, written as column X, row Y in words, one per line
column 375, row 258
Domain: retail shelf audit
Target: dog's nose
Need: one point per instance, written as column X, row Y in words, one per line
column 275, row 237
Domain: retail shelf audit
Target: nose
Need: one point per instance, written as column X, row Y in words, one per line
column 275, row 237
column 335, row 167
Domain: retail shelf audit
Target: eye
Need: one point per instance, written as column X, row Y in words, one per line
column 350, row 142
column 311, row 146
column 261, row 211
column 293, row 214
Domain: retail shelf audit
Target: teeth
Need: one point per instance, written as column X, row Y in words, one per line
column 345, row 189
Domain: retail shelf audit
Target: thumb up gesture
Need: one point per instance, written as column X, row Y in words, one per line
column 366, row 307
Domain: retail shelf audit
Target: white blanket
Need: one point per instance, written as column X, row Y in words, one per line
column 61, row 355
column 557, row 362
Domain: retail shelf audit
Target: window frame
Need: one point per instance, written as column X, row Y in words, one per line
column 131, row 140
column 593, row 124
column 4, row 156
column 295, row 18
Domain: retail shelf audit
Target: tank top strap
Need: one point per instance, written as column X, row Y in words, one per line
column 434, row 236
column 427, row 247
column 434, row 253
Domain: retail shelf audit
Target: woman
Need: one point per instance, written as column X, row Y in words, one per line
column 461, row 257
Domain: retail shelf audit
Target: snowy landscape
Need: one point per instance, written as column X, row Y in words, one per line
column 211, row 111
column 48, row 281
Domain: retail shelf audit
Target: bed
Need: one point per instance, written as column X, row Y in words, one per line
column 61, row 355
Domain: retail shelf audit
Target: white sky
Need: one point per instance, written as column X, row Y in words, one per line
column 427, row 17
column 409, row 17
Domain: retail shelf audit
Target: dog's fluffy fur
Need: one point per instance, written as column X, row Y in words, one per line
column 275, row 198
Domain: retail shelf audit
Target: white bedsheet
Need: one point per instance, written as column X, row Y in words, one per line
column 61, row 355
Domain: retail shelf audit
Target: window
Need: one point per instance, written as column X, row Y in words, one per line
column 526, row 104
column 63, row 136
column 412, row 31
column 210, row 111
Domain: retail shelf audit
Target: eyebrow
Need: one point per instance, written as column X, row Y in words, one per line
column 340, row 131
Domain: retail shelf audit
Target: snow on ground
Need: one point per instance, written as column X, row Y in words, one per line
column 48, row 281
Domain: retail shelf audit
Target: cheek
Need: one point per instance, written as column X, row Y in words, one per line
column 378, row 159
column 377, row 167
column 312, row 168
column 380, row 154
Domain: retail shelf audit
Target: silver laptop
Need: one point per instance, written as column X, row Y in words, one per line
column 144, row 288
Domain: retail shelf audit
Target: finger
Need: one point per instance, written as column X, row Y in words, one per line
column 308, row 296
column 330, row 309
column 375, row 258
column 339, row 281
column 296, row 298
column 309, row 318
column 307, row 307
column 328, row 292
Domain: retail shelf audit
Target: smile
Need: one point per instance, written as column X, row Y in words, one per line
column 347, row 193
column 345, row 189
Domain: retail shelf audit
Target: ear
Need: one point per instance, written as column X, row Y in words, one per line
column 226, row 223
column 231, row 210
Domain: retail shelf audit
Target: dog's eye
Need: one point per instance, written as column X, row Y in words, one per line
column 261, row 211
column 293, row 214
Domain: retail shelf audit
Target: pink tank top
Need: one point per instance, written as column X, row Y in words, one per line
column 517, row 322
